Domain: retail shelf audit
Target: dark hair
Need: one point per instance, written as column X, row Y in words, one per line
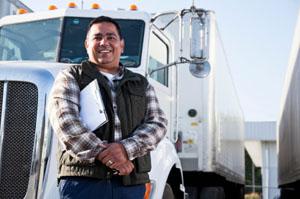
column 104, row 19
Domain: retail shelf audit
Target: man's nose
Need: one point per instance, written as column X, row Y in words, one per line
column 103, row 41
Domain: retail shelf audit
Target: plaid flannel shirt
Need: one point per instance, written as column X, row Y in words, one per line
column 79, row 141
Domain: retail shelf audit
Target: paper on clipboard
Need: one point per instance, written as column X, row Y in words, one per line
column 92, row 110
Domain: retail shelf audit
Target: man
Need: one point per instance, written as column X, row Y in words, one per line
column 113, row 161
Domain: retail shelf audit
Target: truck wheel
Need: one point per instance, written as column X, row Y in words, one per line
column 168, row 192
column 287, row 193
column 212, row 193
column 192, row 192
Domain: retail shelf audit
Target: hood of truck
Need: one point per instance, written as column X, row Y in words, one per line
column 28, row 67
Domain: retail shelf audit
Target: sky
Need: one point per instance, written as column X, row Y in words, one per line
column 256, row 34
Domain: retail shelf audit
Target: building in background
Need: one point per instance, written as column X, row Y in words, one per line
column 10, row 7
column 260, row 142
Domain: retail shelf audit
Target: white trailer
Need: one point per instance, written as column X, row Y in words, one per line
column 288, row 131
column 205, row 118
column 210, row 119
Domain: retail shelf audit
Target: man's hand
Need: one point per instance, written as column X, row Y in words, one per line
column 114, row 155
column 125, row 168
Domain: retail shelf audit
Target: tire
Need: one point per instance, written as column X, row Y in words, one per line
column 168, row 192
column 288, row 194
column 192, row 192
column 212, row 193
column 242, row 193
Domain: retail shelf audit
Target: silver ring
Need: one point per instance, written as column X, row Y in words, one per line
column 110, row 162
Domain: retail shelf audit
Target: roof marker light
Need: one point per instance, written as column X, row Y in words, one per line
column 72, row 5
column 22, row 11
column 95, row 6
column 133, row 7
column 52, row 7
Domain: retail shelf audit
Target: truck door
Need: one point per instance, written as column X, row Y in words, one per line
column 159, row 55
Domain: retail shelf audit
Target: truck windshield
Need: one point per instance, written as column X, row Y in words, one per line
column 43, row 40
column 30, row 41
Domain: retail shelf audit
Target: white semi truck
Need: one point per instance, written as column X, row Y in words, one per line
column 288, row 131
column 202, row 155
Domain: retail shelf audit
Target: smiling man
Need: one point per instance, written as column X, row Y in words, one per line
column 104, row 46
column 112, row 161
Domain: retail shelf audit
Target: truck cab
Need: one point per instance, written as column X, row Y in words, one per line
column 33, row 48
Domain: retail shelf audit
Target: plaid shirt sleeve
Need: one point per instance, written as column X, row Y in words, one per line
column 147, row 136
column 63, row 111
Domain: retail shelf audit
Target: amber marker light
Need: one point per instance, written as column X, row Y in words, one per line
column 95, row 6
column 133, row 7
column 148, row 190
column 21, row 11
column 52, row 7
column 72, row 5
column 194, row 123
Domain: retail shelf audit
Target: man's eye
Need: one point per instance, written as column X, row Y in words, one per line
column 111, row 38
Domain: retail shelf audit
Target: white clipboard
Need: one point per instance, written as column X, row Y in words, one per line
column 92, row 110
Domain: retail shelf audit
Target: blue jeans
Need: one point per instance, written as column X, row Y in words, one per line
column 90, row 188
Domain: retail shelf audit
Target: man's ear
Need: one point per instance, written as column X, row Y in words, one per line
column 122, row 45
column 86, row 44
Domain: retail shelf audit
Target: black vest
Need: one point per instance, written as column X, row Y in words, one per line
column 131, row 103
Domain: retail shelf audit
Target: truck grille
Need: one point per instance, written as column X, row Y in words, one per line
column 18, row 137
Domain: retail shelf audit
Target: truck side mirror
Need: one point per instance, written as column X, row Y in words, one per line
column 196, row 37
column 199, row 66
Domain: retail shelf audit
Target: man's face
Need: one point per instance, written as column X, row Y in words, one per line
column 104, row 46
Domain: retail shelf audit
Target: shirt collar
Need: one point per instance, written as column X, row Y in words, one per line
column 119, row 75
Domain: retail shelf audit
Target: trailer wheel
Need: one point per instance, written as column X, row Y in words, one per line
column 286, row 193
column 168, row 192
column 212, row 193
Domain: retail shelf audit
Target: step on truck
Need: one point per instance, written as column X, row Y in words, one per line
column 181, row 54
